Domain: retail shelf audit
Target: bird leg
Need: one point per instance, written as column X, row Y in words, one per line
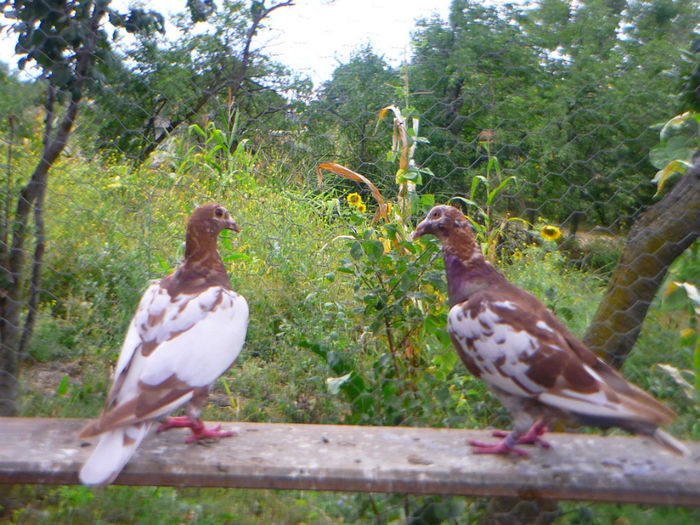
column 199, row 431
column 531, row 437
column 175, row 422
column 504, row 447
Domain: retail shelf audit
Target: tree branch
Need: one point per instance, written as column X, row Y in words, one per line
column 233, row 82
column 659, row 236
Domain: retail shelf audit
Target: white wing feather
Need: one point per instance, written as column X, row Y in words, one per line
column 200, row 354
column 133, row 335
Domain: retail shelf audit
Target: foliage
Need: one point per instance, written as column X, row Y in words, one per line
column 551, row 119
column 67, row 43
column 164, row 84
column 681, row 297
column 398, row 301
column 341, row 121
column 49, row 35
column 487, row 228
column 679, row 143
column 690, row 87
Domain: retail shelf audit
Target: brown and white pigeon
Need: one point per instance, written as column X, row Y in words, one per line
column 534, row 365
column 188, row 329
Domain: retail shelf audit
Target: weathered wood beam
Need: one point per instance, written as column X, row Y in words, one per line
column 622, row 469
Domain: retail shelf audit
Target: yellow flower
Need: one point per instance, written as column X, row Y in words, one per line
column 354, row 199
column 550, row 232
column 361, row 207
column 388, row 208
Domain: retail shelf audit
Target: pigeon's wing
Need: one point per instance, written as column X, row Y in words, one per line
column 152, row 303
column 200, row 353
column 517, row 345
column 182, row 349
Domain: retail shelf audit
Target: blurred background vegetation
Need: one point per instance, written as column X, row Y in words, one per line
column 544, row 121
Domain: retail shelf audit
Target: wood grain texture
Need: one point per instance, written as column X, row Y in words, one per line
column 366, row 459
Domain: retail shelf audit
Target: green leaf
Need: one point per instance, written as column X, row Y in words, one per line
column 161, row 263
column 475, row 184
column 672, row 168
column 493, row 164
column 468, row 202
column 679, row 147
column 374, row 249
column 681, row 294
column 677, row 124
column 356, row 251
column 194, row 128
column 62, row 387
column 427, row 200
column 237, row 257
column 496, row 190
column 409, row 175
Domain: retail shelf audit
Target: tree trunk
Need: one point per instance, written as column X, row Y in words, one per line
column 657, row 238
column 13, row 337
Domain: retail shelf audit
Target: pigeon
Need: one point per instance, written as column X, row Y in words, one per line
column 537, row 369
column 188, row 330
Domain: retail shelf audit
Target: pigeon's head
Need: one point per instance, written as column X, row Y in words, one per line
column 443, row 221
column 212, row 218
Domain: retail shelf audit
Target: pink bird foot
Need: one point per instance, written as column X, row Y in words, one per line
column 531, row 437
column 199, row 431
column 499, row 448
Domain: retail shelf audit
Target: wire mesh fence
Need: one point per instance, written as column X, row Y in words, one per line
column 542, row 122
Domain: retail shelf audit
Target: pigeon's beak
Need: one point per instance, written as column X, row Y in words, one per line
column 420, row 229
column 231, row 225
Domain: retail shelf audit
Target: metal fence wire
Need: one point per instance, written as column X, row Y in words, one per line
column 546, row 123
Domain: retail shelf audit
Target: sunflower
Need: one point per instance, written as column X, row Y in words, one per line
column 361, row 207
column 354, row 199
column 550, row 232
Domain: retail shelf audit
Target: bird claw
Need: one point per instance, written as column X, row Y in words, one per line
column 199, row 431
column 497, row 448
column 206, row 433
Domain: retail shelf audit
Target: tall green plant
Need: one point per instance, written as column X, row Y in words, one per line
column 487, row 228
column 398, row 299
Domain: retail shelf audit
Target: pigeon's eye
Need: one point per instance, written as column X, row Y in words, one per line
column 219, row 212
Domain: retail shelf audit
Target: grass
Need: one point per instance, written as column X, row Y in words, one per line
column 109, row 238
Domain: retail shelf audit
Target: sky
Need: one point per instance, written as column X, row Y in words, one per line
column 314, row 36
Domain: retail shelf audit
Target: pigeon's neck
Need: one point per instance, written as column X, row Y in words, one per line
column 204, row 260
column 200, row 242
column 202, row 266
column 465, row 267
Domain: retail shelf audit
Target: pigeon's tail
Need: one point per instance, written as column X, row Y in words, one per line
column 112, row 453
column 668, row 441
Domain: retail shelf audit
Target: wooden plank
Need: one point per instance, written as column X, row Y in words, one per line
column 367, row 459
